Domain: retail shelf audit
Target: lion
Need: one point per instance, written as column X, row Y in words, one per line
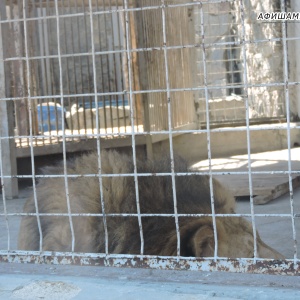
column 155, row 194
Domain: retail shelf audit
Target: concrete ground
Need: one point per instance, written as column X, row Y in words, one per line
column 20, row 281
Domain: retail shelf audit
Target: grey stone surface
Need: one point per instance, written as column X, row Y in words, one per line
column 18, row 281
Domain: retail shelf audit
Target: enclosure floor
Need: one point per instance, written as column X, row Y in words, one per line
column 266, row 187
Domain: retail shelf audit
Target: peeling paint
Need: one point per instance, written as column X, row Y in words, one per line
column 257, row 266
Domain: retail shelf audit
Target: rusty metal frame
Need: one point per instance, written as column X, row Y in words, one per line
column 240, row 265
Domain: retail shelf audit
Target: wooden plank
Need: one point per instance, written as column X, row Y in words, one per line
column 278, row 191
column 8, row 157
column 265, row 190
column 266, row 187
column 16, row 50
column 180, row 62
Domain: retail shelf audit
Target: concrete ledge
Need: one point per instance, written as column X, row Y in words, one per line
column 232, row 142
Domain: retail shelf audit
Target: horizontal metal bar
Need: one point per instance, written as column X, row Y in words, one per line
column 51, row 3
column 145, row 215
column 157, row 48
column 200, row 173
column 213, row 87
column 118, row 10
column 241, row 265
column 162, row 132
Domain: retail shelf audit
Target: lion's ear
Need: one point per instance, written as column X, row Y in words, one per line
column 201, row 243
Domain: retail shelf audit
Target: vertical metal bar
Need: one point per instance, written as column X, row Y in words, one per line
column 293, row 30
column 163, row 14
column 88, row 71
column 120, row 57
column 124, row 65
column 128, row 48
column 135, row 70
column 21, row 113
column 67, row 58
column 208, row 133
column 56, row 118
column 98, row 127
column 245, row 79
column 43, row 89
column 75, row 71
column 288, row 121
column 35, row 74
column 31, row 72
column 34, row 66
column 48, row 120
column 81, row 73
column 63, row 125
column 118, row 70
column 51, row 69
column 102, row 72
column 42, row 47
column 144, row 74
column 48, row 65
column 113, row 29
column 4, row 195
column 41, row 121
column 108, row 73
column 110, row 58
column 15, row 30
column 30, row 126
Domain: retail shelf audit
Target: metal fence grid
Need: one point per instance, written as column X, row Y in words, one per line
column 206, row 87
column 63, row 50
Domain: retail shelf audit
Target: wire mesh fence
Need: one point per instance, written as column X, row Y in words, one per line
column 144, row 71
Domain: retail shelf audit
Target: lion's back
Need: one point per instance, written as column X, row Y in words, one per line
column 119, row 196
